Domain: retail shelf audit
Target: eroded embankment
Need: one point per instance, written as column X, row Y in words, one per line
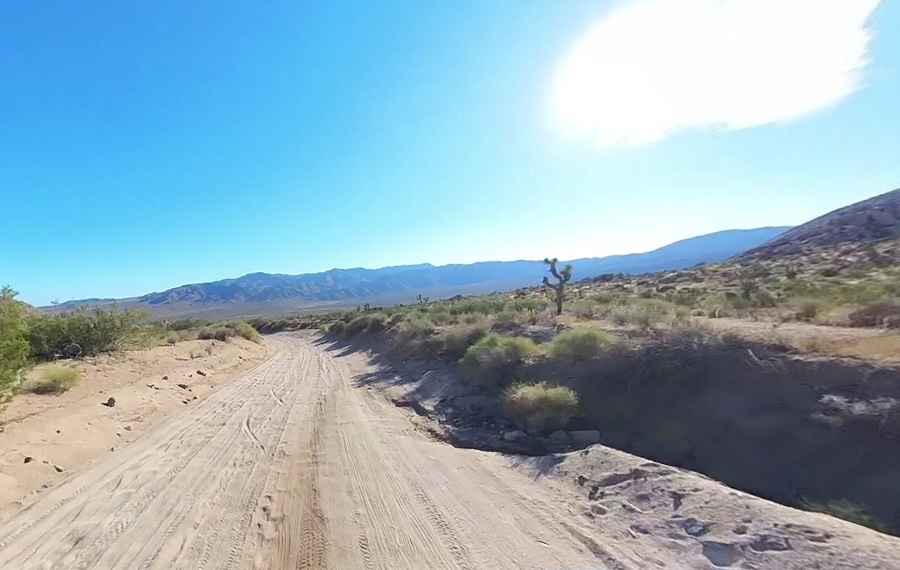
column 795, row 429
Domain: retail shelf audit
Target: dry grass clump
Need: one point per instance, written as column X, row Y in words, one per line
column 540, row 407
column 492, row 360
column 579, row 345
column 53, row 380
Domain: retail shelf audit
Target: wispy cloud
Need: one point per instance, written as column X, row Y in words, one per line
column 655, row 67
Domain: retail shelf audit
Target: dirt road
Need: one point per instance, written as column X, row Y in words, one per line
column 293, row 466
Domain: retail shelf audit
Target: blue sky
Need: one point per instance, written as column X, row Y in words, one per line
column 146, row 146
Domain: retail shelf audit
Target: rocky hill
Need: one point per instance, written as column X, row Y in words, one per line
column 868, row 221
column 265, row 293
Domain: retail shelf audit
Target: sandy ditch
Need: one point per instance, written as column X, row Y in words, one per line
column 46, row 438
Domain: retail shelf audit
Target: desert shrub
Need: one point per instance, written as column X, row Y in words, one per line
column 172, row 338
column 394, row 320
column 53, row 380
column 540, row 407
column 413, row 337
column 876, row 315
column 81, row 333
column 338, row 328
column 14, row 347
column 808, row 311
column 214, row 333
column 583, row 309
column 224, row 331
column 441, row 316
column 686, row 297
column 186, row 324
column 481, row 305
column 646, row 313
column 508, row 319
column 369, row 323
column 579, row 345
column 493, row 359
column 457, row 340
column 848, row 511
column 763, row 299
column 527, row 305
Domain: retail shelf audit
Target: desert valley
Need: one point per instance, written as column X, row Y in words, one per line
column 737, row 412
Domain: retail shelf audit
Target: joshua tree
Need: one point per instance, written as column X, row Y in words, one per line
column 562, row 277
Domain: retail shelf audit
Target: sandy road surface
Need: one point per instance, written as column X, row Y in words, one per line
column 293, row 466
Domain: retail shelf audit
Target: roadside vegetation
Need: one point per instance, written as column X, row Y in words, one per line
column 540, row 407
column 28, row 336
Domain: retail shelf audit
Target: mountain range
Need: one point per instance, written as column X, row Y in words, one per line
column 267, row 293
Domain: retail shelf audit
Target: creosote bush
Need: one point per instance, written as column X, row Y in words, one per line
column 13, row 341
column 579, row 345
column 492, row 360
column 80, row 333
column 413, row 336
column 224, row 331
column 53, row 380
column 457, row 340
column 540, row 407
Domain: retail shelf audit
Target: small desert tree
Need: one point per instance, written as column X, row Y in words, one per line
column 13, row 343
column 562, row 277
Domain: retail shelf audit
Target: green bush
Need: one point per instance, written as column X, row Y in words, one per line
column 245, row 331
column 53, row 380
column 579, row 345
column 369, row 323
column 224, row 331
column 215, row 333
column 482, row 305
column 493, row 359
column 457, row 340
column 413, row 336
column 13, row 340
column 80, row 333
column 540, row 407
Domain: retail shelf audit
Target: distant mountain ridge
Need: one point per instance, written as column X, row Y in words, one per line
column 869, row 220
column 262, row 293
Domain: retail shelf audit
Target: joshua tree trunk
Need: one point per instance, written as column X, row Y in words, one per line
column 562, row 277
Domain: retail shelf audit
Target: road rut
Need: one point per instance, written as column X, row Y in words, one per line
column 294, row 466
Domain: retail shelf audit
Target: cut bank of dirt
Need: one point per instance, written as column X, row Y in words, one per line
column 48, row 438
column 296, row 465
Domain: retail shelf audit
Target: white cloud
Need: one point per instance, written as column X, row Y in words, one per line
column 655, row 67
